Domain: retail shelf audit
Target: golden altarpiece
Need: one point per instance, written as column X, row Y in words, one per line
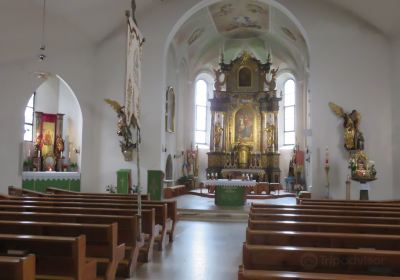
column 244, row 120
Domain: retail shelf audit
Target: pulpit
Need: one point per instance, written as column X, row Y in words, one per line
column 244, row 118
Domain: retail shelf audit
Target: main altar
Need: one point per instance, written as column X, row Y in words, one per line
column 244, row 121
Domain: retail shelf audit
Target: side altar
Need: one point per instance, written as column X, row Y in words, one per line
column 244, row 120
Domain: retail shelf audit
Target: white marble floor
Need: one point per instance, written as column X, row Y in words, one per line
column 201, row 251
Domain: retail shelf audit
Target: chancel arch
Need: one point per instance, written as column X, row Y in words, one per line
column 246, row 61
column 55, row 116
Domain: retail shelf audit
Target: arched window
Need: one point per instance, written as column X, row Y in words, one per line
column 201, row 96
column 28, row 126
column 289, row 109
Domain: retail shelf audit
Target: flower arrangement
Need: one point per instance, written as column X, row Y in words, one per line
column 111, row 189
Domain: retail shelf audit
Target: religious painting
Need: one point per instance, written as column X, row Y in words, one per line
column 48, row 133
column 244, row 124
column 244, row 77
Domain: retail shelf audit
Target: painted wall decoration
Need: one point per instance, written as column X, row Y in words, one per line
column 195, row 35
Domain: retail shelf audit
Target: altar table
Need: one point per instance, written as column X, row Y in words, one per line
column 39, row 181
column 230, row 192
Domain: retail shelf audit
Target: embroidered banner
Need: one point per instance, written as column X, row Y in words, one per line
column 133, row 73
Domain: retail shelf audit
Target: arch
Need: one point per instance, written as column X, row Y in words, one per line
column 55, row 96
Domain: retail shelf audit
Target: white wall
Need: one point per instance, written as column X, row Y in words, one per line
column 46, row 99
column 72, row 125
column 350, row 65
column 396, row 116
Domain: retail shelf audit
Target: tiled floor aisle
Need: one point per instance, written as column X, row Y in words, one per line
column 202, row 250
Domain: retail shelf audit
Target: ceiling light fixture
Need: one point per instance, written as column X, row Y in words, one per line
column 42, row 55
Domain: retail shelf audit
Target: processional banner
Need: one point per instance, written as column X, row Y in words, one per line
column 133, row 73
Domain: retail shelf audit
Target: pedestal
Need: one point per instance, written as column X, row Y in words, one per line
column 124, row 181
column 364, row 188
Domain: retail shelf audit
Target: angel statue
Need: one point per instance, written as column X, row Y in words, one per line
column 218, row 83
column 272, row 83
column 123, row 129
column 353, row 138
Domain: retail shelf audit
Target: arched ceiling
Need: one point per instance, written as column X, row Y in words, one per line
column 234, row 25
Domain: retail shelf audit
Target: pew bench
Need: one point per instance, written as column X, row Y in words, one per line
column 324, row 227
column 323, row 239
column 172, row 210
column 56, row 257
column 101, row 240
column 128, row 232
column 66, row 193
column 165, row 212
column 18, row 268
column 325, row 207
column 325, row 260
column 248, row 274
column 325, row 218
column 333, row 212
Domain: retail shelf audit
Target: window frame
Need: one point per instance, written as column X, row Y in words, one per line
column 284, row 113
column 206, row 108
column 33, row 116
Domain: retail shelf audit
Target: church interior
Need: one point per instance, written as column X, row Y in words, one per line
column 199, row 139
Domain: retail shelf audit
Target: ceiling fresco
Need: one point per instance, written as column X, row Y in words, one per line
column 240, row 19
column 232, row 26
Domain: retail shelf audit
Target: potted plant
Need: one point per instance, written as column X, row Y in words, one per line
column 27, row 165
column 73, row 167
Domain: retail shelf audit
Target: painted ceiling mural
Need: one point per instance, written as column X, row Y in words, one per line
column 234, row 25
column 240, row 19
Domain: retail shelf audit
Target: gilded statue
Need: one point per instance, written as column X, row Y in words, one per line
column 353, row 138
column 218, row 130
column 59, row 146
column 272, row 83
column 270, row 129
column 123, row 128
column 218, row 83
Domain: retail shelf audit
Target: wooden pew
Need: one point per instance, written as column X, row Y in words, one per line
column 56, row 257
column 325, row 207
column 127, row 230
column 326, row 260
column 324, row 227
column 248, row 274
column 305, row 201
column 323, row 239
column 24, row 192
column 101, row 240
column 18, row 268
column 67, row 193
column 325, row 218
column 172, row 211
column 332, row 212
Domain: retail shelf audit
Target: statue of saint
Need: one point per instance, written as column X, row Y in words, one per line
column 353, row 138
column 59, row 146
column 272, row 83
column 218, row 83
column 218, row 130
column 270, row 135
